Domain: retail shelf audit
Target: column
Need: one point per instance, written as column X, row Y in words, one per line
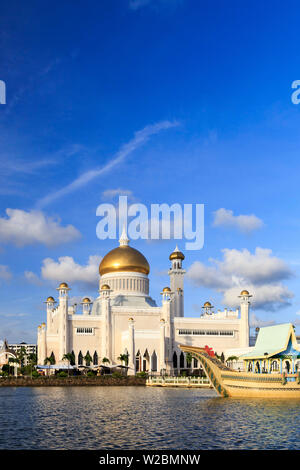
column 162, row 358
column 131, row 347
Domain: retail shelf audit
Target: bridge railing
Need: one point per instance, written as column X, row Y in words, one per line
column 184, row 381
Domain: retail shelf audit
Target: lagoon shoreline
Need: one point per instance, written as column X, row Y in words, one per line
column 71, row 381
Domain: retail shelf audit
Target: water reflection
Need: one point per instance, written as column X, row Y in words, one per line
column 143, row 418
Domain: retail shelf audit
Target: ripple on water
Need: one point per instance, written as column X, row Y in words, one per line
column 143, row 418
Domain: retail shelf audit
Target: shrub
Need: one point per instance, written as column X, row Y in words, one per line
column 91, row 373
column 117, row 375
column 35, row 374
column 142, row 374
column 62, row 373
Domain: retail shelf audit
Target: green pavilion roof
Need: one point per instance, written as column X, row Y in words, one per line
column 272, row 340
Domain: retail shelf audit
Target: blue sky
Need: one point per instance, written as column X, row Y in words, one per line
column 82, row 79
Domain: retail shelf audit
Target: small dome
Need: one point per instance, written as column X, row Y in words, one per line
column 63, row 285
column 50, row 299
column 176, row 254
column 105, row 287
column 244, row 292
column 86, row 300
column 130, row 319
column 207, row 304
column 167, row 289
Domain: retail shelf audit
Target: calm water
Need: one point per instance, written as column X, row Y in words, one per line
column 143, row 418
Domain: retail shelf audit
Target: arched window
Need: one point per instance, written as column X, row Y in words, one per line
column 175, row 362
column 72, row 362
column 88, row 358
column 154, row 362
column 138, row 361
column 195, row 363
column 80, row 359
column 95, row 358
column 53, row 358
column 146, row 361
column 181, row 361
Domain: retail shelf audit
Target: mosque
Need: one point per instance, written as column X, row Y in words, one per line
column 125, row 320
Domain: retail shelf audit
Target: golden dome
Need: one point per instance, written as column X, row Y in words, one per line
column 176, row 254
column 124, row 258
column 63, row 285
column 50, row 299
column 244, row 292
column 166, row 289
column 207, row 304
column 86, row 300
column 105, row 287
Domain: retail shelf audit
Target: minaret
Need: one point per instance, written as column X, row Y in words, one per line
column 167, row 302
column 106, row 322
column 131, row 347
column 162, row 346
column 50, row 303
column 176, row 274
column 245, row 307
column 63, row 331
column 86, row 306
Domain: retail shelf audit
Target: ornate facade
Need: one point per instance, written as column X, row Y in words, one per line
column 124, row 319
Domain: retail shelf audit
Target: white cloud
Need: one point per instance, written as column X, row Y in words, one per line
column 32, row 278
column 244, row 223
column 140, row 138
column 67, row 270
column 256, row 322
column 261, row 273
column 5, row 273
column 25, row 228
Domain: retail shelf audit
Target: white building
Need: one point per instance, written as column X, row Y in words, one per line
column 124, row 319
column 5, row 353
column 27, row 348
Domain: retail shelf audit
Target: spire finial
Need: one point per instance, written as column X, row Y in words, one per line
column 124, row 240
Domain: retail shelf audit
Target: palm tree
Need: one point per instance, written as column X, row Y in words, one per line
column 49, row 360
column 68, row 357
column 88, row 358
column 189, row 359
column 21, row 355
column 123, row 358
column 33, row 360
column 14, row 360
column 232, row 358
column 105, row 360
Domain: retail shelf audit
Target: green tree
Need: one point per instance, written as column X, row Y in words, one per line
column 14, row 360
column 68, row 357
column 49, row 360
column 232, row 358
column 88, row 358
column 105, row 360
column 32, row 361
column 123, row 358
column 22, row 355
column 189, row 359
